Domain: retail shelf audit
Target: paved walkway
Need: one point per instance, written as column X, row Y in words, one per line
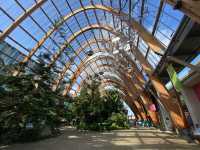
column 133, row 139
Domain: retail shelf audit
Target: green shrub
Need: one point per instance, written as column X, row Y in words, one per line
column 82, row 126
column 97, row 112
column 118, row 121
column 28, row 106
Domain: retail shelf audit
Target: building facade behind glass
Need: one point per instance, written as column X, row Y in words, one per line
column 9, row 54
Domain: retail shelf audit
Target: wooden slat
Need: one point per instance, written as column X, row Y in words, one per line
column 20, row 19
column 189, row 7
column 133, row 85
column 151, row 40
column 78, row 51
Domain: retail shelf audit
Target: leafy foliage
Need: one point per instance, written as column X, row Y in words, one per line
column 98, row 112
column 28, row 105
column 117, row 121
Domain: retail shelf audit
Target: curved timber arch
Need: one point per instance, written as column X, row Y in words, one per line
column 146, row 66
column 112, row 73
column 104, row 76
column 176, row 114
column 73, row 37
column 132, row 103
column 132, row 98
column 86, row 60
column 144, row 63
column 190, row 8
column 129, row 97
column 133, row 86
column 62, row 74
column 130, row 91
column 79, row 50
column 151, row 40
column 82, row 82
column 79, row 70
column 120, row 72
column 120, row 86
column 137, row 85
column 21, row 18
column 137, row 74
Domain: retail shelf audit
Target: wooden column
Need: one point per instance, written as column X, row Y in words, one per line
column 135, row 98
column 133, row 107
column 144, row 98
column 171, row 106
column 131, row 97
column 147, row 102
column 140, row 108
column 174, row 109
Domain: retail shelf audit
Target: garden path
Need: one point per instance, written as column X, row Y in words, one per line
column 132, row 139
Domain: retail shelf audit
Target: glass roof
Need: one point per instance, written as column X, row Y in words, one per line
column 158, row 18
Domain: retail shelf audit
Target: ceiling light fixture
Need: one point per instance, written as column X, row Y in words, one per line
column 101, row 73
column 115, row 51
column 90, row 53
column 115, row 39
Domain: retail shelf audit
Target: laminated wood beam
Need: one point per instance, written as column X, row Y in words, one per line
column 180, row 123
column 129, row 97
column 171, row 106
column 77, row 73
column 189, row 7
column 136, row 52
column 147, row 67
column 133, row 92
column 142, row 96
column 20, row 19
column 68, row 64
column 150, row 39
column 132, row 99
column 177, row 115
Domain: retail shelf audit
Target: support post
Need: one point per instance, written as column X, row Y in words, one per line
column 170, row 104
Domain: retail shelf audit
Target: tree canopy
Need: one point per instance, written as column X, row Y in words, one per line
column 97, row 111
